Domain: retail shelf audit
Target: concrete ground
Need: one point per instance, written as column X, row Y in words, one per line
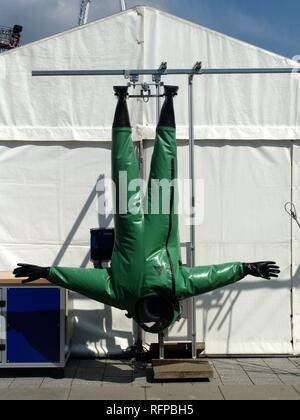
column 103, row 379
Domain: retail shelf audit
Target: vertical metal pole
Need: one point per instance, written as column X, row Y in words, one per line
column 161, row 335
column 192, row 206
column 87, row 11
column 139, row 331
column 292, row 273
column 158, row 105
column 123, row 5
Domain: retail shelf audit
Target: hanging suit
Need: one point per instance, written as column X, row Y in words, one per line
column 146, row 270
column 146, row 258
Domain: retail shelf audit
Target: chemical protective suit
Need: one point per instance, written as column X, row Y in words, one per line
column 146, row 278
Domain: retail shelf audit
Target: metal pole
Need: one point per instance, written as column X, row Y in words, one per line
column 123, row 5
column 153, row 72
column 157, row 102
column 161, row 337
column 138, row 330
column 87, row 12
column 192, row 207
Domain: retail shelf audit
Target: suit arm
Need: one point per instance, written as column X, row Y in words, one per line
column 199, row 280
column 92, row 283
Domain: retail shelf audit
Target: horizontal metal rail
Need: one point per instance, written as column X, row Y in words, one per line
column 167, row 72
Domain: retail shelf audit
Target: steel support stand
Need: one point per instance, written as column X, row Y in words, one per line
column 192, row 205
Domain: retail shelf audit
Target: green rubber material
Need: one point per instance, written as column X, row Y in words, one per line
column 146, row 259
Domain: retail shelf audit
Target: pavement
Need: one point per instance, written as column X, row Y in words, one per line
column 105, row 379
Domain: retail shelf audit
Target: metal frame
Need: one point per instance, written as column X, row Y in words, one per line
column 167, row 72
column 157, row 74
column 2, row 326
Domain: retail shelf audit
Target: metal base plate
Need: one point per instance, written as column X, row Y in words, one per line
column 182, row 369
column 181, row 350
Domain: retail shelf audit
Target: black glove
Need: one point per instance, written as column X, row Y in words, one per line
column 264, row 269
column 32, row 272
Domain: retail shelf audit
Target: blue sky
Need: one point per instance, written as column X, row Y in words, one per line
column 270, row 24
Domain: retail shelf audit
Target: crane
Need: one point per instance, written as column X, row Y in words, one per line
column 10, row 37
column 85, row 7
column 84, row 12
column 123, row 5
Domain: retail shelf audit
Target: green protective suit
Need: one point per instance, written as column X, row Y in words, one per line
column 146, row 260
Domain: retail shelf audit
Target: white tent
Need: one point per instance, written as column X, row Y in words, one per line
column 55, row 144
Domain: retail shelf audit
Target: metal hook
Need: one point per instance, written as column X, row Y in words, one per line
column 291, row 210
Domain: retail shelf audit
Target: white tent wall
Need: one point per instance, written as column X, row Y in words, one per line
column 50, row 196
column 246, row 185
column 55, row 144
column 66, row 109
column 243, row 107
column 226, row 107
column 296, row 249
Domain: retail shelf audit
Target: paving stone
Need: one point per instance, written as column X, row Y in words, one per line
column 88, row 377
column 226, row 364
column 216, row 380
column 117, row 380
column 259, row 392
column 98, row 364
column 83, row 373
column 231, row 373
column 5, row 382
column 295, row 361
column 57, row 383
column 259, row 372
column 282, row 365
column 109, row 393
column 126, row 362
column 184, row 391
column 26, row 383
column 119, row 370
column 121, row 379
column 34, row 394
column 286, row 371
column 297, row 388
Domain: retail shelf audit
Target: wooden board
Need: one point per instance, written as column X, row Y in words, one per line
column 182, row 369
column 176, row 350
column 8, row 279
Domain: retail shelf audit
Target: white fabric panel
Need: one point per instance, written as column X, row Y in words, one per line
column 296, row 249
column 64, row 109
column 261, row 107
column 245, row 188
column 99, row 329
column 48, row 204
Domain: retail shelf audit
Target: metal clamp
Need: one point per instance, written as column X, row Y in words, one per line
column 198, row 67
column 156, row 77
column 134, row 78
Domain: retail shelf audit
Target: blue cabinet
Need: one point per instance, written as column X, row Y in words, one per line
column 33, row 326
